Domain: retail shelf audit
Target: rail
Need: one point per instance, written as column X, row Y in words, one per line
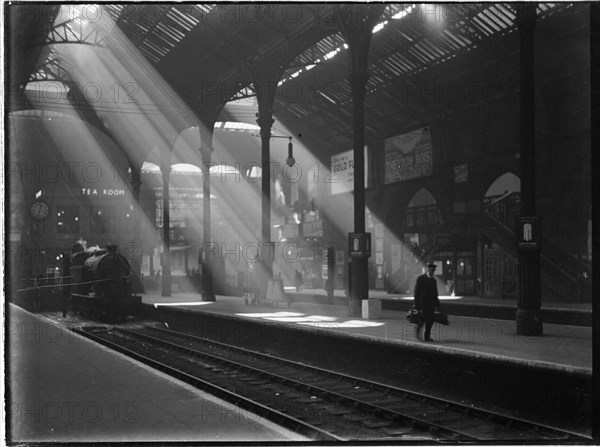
column 326, row 405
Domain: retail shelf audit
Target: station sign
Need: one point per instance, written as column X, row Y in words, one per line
column 359, row 244
column 528, row 233
column 111, row 192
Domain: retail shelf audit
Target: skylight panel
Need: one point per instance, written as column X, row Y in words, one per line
column 421, row 52
column 406, row 36
column 165, row 40
column 447, row 39
column 404, row 12
column 391, row 66
column 433, row 49
column 114, row 10
column 502, row 20
column 150, row 46
column 379, row 26
column 204, row 8
column 403, row 61
column 298, row 111
column 461, row 38
column 234, row 126
column 326, row 97
column 171, row 31
column 182, row 19
column 505, row 12
column 331, row 54
column 483, row 28
column 406, row 65
column 493, row 22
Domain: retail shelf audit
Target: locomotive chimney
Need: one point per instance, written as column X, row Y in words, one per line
column 112, row 248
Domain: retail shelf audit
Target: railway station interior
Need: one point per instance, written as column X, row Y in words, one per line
column 276, row 177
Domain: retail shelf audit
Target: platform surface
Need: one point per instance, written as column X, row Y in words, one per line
column 66, row 388
column 560, row 347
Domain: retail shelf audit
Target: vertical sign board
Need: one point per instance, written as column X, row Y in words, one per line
column 342, row 172
column 359, row 244
column 408, row 156
column 528, row 233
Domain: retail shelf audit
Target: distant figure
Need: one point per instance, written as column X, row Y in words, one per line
column 37, row 297
column 298, row 280
column 158, row 283
column 426, row 300
column 197, row 280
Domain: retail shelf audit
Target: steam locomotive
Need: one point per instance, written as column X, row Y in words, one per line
column 99, row 284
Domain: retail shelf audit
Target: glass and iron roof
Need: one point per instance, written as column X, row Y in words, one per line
column 187, row 43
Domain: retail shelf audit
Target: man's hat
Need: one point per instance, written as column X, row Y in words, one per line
column 431, row 264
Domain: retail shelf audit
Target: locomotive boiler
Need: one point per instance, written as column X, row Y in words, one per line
column 100, row 284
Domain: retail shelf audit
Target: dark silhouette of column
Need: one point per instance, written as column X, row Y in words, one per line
column 135, row 179
column 357, row 23
column 207, row 246
column 329, row 286
column 165, row 170
column 595, row 144
column 529, row 314
column 265, row 95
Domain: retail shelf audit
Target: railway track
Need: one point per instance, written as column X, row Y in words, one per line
column 316, row 403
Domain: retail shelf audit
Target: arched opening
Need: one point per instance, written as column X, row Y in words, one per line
column 502, row 198
column 422, row 219
column 422, row 211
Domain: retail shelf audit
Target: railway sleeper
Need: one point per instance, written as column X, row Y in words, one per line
column 389, row 403
column 337, row 410
column 445, row 418
column 414, row 406
column 336, row 387
column 356, row 417
column 427, row 413
column 376, row 423
column 497, row 433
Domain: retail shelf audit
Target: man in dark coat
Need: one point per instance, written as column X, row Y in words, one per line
column 426, row 300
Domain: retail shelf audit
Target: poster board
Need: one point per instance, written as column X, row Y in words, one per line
column 408, row 156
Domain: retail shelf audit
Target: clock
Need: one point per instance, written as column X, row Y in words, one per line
column 39, row 210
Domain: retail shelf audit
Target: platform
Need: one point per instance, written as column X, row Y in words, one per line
column 480, row 360
column 65, row 388
column 545, row 379
column 561, row 346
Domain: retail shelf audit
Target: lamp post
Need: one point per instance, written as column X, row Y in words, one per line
column 290, row 160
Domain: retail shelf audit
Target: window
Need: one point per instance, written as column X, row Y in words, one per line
column 67, row 220
column 102, row 219
column 129, row 218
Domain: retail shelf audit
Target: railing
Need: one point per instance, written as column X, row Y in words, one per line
column 422, row 216
column 563, row 275
column 400, row 280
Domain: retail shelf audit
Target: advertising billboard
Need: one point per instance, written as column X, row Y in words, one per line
column 408, row 156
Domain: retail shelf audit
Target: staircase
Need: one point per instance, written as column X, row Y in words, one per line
column 400, row 281
column 564, row 277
